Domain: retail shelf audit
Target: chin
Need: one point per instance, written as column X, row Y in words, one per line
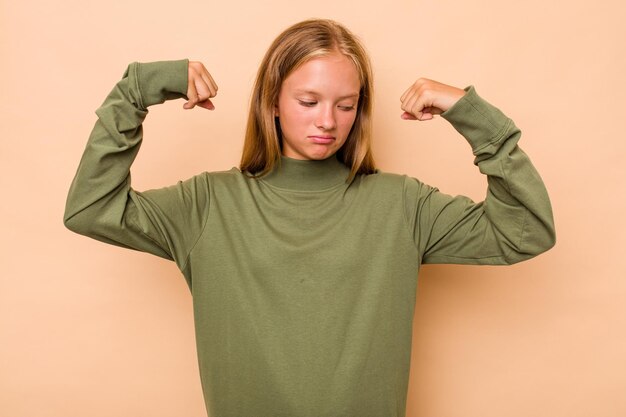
column 312, row 154
column 322, row 154
column 320, row 157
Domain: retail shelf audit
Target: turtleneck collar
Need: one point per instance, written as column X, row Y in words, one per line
column 308, row 175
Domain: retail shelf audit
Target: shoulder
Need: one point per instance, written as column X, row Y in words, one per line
column 382, row 182
column 225, row 175
column 394, row 184
column 383, row 179
column 230, row 178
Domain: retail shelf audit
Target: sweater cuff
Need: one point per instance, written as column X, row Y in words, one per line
column 481, row 123
column 158, row 81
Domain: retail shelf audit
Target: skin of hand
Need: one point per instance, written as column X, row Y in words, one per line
column 200, row 87
column 426, row 98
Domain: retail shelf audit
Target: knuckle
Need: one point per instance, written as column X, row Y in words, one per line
column 423, row 84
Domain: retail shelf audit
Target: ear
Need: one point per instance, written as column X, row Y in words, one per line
column 276, row 110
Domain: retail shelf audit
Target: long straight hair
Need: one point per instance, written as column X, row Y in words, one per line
column 295, row 46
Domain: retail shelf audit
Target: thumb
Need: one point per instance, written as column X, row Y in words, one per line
column 420, row 116
column 207, row 104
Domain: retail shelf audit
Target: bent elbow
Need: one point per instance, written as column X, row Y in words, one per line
column 538, row 242
column 548, row 241
column 77, row 223
column 532, row 244
column 71, row 224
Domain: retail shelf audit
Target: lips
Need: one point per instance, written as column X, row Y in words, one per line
column 322, row 139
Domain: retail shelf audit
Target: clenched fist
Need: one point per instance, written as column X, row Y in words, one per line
column 200, row 87
column 425, row 98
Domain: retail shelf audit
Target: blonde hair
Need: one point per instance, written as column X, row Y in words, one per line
column 296, row 45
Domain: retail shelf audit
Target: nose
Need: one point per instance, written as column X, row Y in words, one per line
column 326, row 118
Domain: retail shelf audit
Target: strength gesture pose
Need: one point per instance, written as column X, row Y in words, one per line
column 424, row 99
column 302, row 261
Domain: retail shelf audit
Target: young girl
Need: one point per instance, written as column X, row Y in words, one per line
column 303, row 262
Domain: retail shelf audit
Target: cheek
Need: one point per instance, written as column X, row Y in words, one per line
column 295, row 123
column 297, row 117
column 347, row 121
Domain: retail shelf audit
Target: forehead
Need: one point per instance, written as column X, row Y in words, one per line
column 334, row 73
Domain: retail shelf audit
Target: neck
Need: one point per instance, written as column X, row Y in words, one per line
column 308, row 175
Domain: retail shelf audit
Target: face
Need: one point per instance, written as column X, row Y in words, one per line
column 317, row 106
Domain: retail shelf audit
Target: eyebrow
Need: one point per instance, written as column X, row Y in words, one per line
column 317, row 94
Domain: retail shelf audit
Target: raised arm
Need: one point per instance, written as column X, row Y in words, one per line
column 512, row 224
column 101, row 203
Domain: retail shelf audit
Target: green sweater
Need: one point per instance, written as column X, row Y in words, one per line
column 303, row 284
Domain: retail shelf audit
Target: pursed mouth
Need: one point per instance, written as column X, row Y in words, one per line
column 321, row 139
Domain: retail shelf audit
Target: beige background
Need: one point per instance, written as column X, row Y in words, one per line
column 88, row 329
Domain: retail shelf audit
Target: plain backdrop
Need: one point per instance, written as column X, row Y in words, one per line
column 88, row 329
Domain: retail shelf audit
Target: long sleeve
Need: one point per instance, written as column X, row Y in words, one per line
column 101, row 203
column 512, row 224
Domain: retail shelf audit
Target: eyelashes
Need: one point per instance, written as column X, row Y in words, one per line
column 313, row 103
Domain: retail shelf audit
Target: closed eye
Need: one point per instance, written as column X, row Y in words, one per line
column 313, row 103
